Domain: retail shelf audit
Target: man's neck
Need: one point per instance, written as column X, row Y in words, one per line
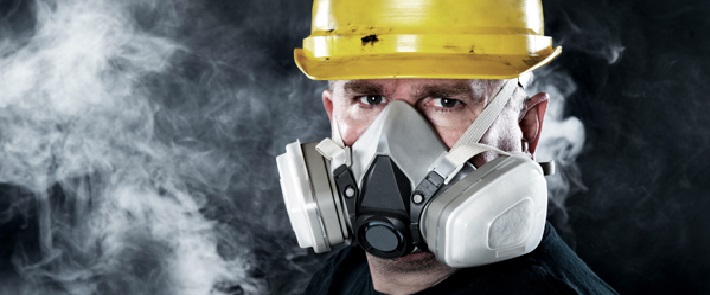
column 395, row 278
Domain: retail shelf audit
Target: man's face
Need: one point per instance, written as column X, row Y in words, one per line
column 450, row 106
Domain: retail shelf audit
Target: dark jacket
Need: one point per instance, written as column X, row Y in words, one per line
column 552, row 268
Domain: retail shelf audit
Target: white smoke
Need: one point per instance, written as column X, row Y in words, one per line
column 73, row 103
column 562, row 136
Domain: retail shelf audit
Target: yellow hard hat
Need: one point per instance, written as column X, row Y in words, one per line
column 452, row 39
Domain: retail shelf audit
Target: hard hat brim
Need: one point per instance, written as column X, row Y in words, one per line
column 452, row 57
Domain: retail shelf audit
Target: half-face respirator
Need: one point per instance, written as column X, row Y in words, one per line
column 398, row 190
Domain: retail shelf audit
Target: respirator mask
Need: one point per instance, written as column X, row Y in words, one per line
column 398, row 190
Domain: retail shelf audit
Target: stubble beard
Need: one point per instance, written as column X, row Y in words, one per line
column 419, row 263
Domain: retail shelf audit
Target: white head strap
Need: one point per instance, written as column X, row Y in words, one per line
column 468, row 145
column 330, row 147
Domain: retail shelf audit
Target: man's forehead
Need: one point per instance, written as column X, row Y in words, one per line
column 409, row 83
column 420, row 86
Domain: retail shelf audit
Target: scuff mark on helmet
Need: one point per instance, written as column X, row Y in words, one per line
column 370, row 39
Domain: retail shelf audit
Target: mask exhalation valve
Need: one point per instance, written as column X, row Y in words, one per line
column 381, row 237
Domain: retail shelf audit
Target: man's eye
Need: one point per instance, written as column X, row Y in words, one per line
column 372, row 100
column 446, row 102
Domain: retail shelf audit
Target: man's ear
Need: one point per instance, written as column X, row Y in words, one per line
column 532, row 116
column 327, row 98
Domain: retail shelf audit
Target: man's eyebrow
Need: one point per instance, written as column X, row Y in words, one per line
column 449, row 90
column 363, row 87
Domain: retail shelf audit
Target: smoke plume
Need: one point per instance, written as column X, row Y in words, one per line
column 130, row 152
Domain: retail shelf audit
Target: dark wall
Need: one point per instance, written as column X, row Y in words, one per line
column 641, row 221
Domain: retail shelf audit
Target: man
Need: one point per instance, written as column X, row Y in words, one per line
column 462, row 68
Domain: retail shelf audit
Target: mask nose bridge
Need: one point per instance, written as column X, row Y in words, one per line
column 414, row 104
column 406, row 136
